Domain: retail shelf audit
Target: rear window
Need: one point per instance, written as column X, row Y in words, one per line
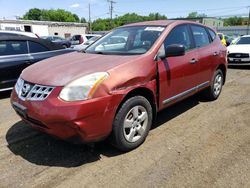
column 212, row 34
column 13, row 47
column 200, row 36
column 36, row 47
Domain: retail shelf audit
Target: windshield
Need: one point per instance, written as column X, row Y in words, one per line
column 243, row 40
column 127, row 41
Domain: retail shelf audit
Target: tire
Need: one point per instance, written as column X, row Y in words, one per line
column 64, row 46
column 132, row 123
column 214, row 91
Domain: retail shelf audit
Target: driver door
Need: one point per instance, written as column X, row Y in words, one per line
column 178, row 75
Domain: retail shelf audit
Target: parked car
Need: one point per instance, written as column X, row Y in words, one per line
column 222, row 39
column 84, row 45
column 100, row 93
column 17, row 53
column 79, row 39
column 58, row 40
column 239, row 53
column 18, row 33
column 228, row 40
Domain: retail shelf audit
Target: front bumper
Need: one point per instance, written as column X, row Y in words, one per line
column 89, row 120
column 238, row 61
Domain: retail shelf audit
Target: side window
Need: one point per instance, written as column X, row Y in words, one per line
column 36, row 47
column 200, row 36
column 179, row 35
column 212, row 34
column 13, row 47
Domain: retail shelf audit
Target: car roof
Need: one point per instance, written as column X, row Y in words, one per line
column 246, row 36
column 161, row 23
column 19, row 33
column 152, row 23
column 44, row 42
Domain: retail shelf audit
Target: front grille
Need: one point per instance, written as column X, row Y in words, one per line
column 238, row 55
column 238, row 62
column 39, row 92
column 33, row 92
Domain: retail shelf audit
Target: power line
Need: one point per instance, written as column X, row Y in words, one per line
column 193, row 10
column 111, row 9
column 248, row 21
column 90, row 30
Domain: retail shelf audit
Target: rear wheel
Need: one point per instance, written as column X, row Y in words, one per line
column 64, row 46
column 132, row 123
column 214, row 91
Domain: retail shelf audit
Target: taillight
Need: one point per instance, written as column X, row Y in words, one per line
column 81, row 40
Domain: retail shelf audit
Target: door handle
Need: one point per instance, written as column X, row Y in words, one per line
column 216, row 54
column 193, row 61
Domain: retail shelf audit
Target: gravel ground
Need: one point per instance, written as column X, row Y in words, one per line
column 193, row 144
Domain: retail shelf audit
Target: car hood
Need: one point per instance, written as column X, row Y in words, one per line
column 241, row 48
column 60, row 70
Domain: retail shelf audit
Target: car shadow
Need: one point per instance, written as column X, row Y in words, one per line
column 176, row 110
column 5, row 94
column 42, row 149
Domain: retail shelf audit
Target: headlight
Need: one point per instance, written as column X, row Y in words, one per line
column 19, row 85
column 83, row 88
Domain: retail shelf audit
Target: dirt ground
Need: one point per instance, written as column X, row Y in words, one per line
column 193, row 144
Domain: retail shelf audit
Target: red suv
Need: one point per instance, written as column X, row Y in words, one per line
column 116, row 87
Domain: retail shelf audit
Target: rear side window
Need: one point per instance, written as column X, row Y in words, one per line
column 179, row 35
column 13, row 47
column 89, row 37
column 212, row 34
column 36, row 47
column 200, row 36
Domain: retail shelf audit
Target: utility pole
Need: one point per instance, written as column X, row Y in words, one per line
column 90, row 30
column 248, row 25
column 111, row 9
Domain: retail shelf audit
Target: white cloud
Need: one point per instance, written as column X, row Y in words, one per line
column 76, row 5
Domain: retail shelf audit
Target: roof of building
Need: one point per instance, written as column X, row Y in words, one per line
column 49, row 23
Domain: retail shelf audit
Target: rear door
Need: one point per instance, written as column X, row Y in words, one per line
column 178, row 75
column 207, row 54
column 13, row 59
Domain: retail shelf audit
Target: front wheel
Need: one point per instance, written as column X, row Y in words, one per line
column 132, row 123
column 214, row 91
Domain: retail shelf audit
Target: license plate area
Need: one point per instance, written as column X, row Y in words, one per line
column 237, row 60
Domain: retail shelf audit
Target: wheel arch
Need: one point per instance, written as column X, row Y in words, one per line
column 144, row 92
column 223, row 68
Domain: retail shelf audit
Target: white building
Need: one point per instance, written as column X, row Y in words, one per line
column 45, row 28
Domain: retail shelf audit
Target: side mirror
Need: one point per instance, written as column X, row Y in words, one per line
column 171, row 51
column 175, row 50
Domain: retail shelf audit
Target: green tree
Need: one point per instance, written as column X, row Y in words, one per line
column 196, row 15
column 105, row 24
column 83, row 20
column 233, row 21
column 33, row 14
column 59, row 15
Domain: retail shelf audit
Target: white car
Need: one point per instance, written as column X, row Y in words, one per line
column 18, row 33
column 82, row 38
column 239, row 53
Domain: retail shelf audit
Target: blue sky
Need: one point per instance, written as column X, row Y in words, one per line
column 100, row 8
